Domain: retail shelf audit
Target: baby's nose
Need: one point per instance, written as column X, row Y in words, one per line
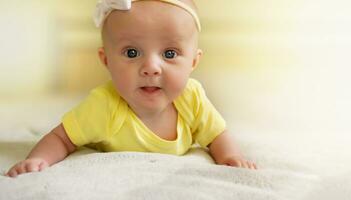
column 151, row 67
column 154, row 72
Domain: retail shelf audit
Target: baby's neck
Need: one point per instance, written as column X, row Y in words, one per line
column 163, row 124
column 151, row 115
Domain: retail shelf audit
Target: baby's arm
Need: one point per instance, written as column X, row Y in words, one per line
column 225, row 152
column 52, row 148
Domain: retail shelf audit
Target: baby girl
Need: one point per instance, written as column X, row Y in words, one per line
column 150, row 48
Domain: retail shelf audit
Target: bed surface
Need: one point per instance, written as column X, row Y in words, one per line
column 291, row 165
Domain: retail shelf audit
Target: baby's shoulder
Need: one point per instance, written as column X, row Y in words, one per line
column 192, row 86
column 193, row 91
column 189, row 102
column 191, row 95
column 106, row 90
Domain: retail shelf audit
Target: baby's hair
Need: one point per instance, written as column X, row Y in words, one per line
column 104, row 31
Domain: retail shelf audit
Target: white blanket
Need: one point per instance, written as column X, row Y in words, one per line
column 291, row 166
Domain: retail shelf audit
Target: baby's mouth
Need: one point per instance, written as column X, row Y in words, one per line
column 150, row 89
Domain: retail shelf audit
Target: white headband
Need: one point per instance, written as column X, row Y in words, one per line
column 105, row 7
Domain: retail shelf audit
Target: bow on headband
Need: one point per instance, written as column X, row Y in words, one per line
column 105, row 7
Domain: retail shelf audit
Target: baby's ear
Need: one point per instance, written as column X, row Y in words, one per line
column 197, row 58
column 102, row 56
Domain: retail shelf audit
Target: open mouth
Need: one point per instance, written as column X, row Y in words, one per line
column 150, row 89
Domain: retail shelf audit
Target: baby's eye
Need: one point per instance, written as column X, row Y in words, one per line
column 169, row 54
column 131, row 53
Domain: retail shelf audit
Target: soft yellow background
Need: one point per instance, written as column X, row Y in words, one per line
column 274, row 65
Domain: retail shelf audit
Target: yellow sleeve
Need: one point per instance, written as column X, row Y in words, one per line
column 208, row 121
column 88, row 122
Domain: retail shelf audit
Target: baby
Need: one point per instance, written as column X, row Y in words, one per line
column 150, row 104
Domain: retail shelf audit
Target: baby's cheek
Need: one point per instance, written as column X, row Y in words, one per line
column 122, row 83
column 176, row 85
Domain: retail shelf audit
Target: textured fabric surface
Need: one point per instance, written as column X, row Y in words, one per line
column 291, row 166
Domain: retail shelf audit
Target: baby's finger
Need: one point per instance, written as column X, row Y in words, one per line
column 251, row 165
column 12, row 173
column 21, row 168
column 18, row 171
column 30, row 167
column 244, row 164
column 234, row 163
column 42, row 166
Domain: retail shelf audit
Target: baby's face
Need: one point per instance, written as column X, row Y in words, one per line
column 150, row 52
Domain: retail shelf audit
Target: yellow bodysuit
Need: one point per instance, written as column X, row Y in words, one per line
column 104, row 120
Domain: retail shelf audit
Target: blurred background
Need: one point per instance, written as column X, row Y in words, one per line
column 274, row 65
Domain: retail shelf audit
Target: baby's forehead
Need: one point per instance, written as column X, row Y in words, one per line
column 140, row 39
column 136, row 38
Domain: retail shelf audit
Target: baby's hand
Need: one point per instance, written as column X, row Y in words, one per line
column 28, row 165
column 238, row 161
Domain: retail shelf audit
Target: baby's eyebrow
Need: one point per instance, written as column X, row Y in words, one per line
column 174, row 44
column 122, row 40
column 127, row 37
column 175, row 40
column 171, row 41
